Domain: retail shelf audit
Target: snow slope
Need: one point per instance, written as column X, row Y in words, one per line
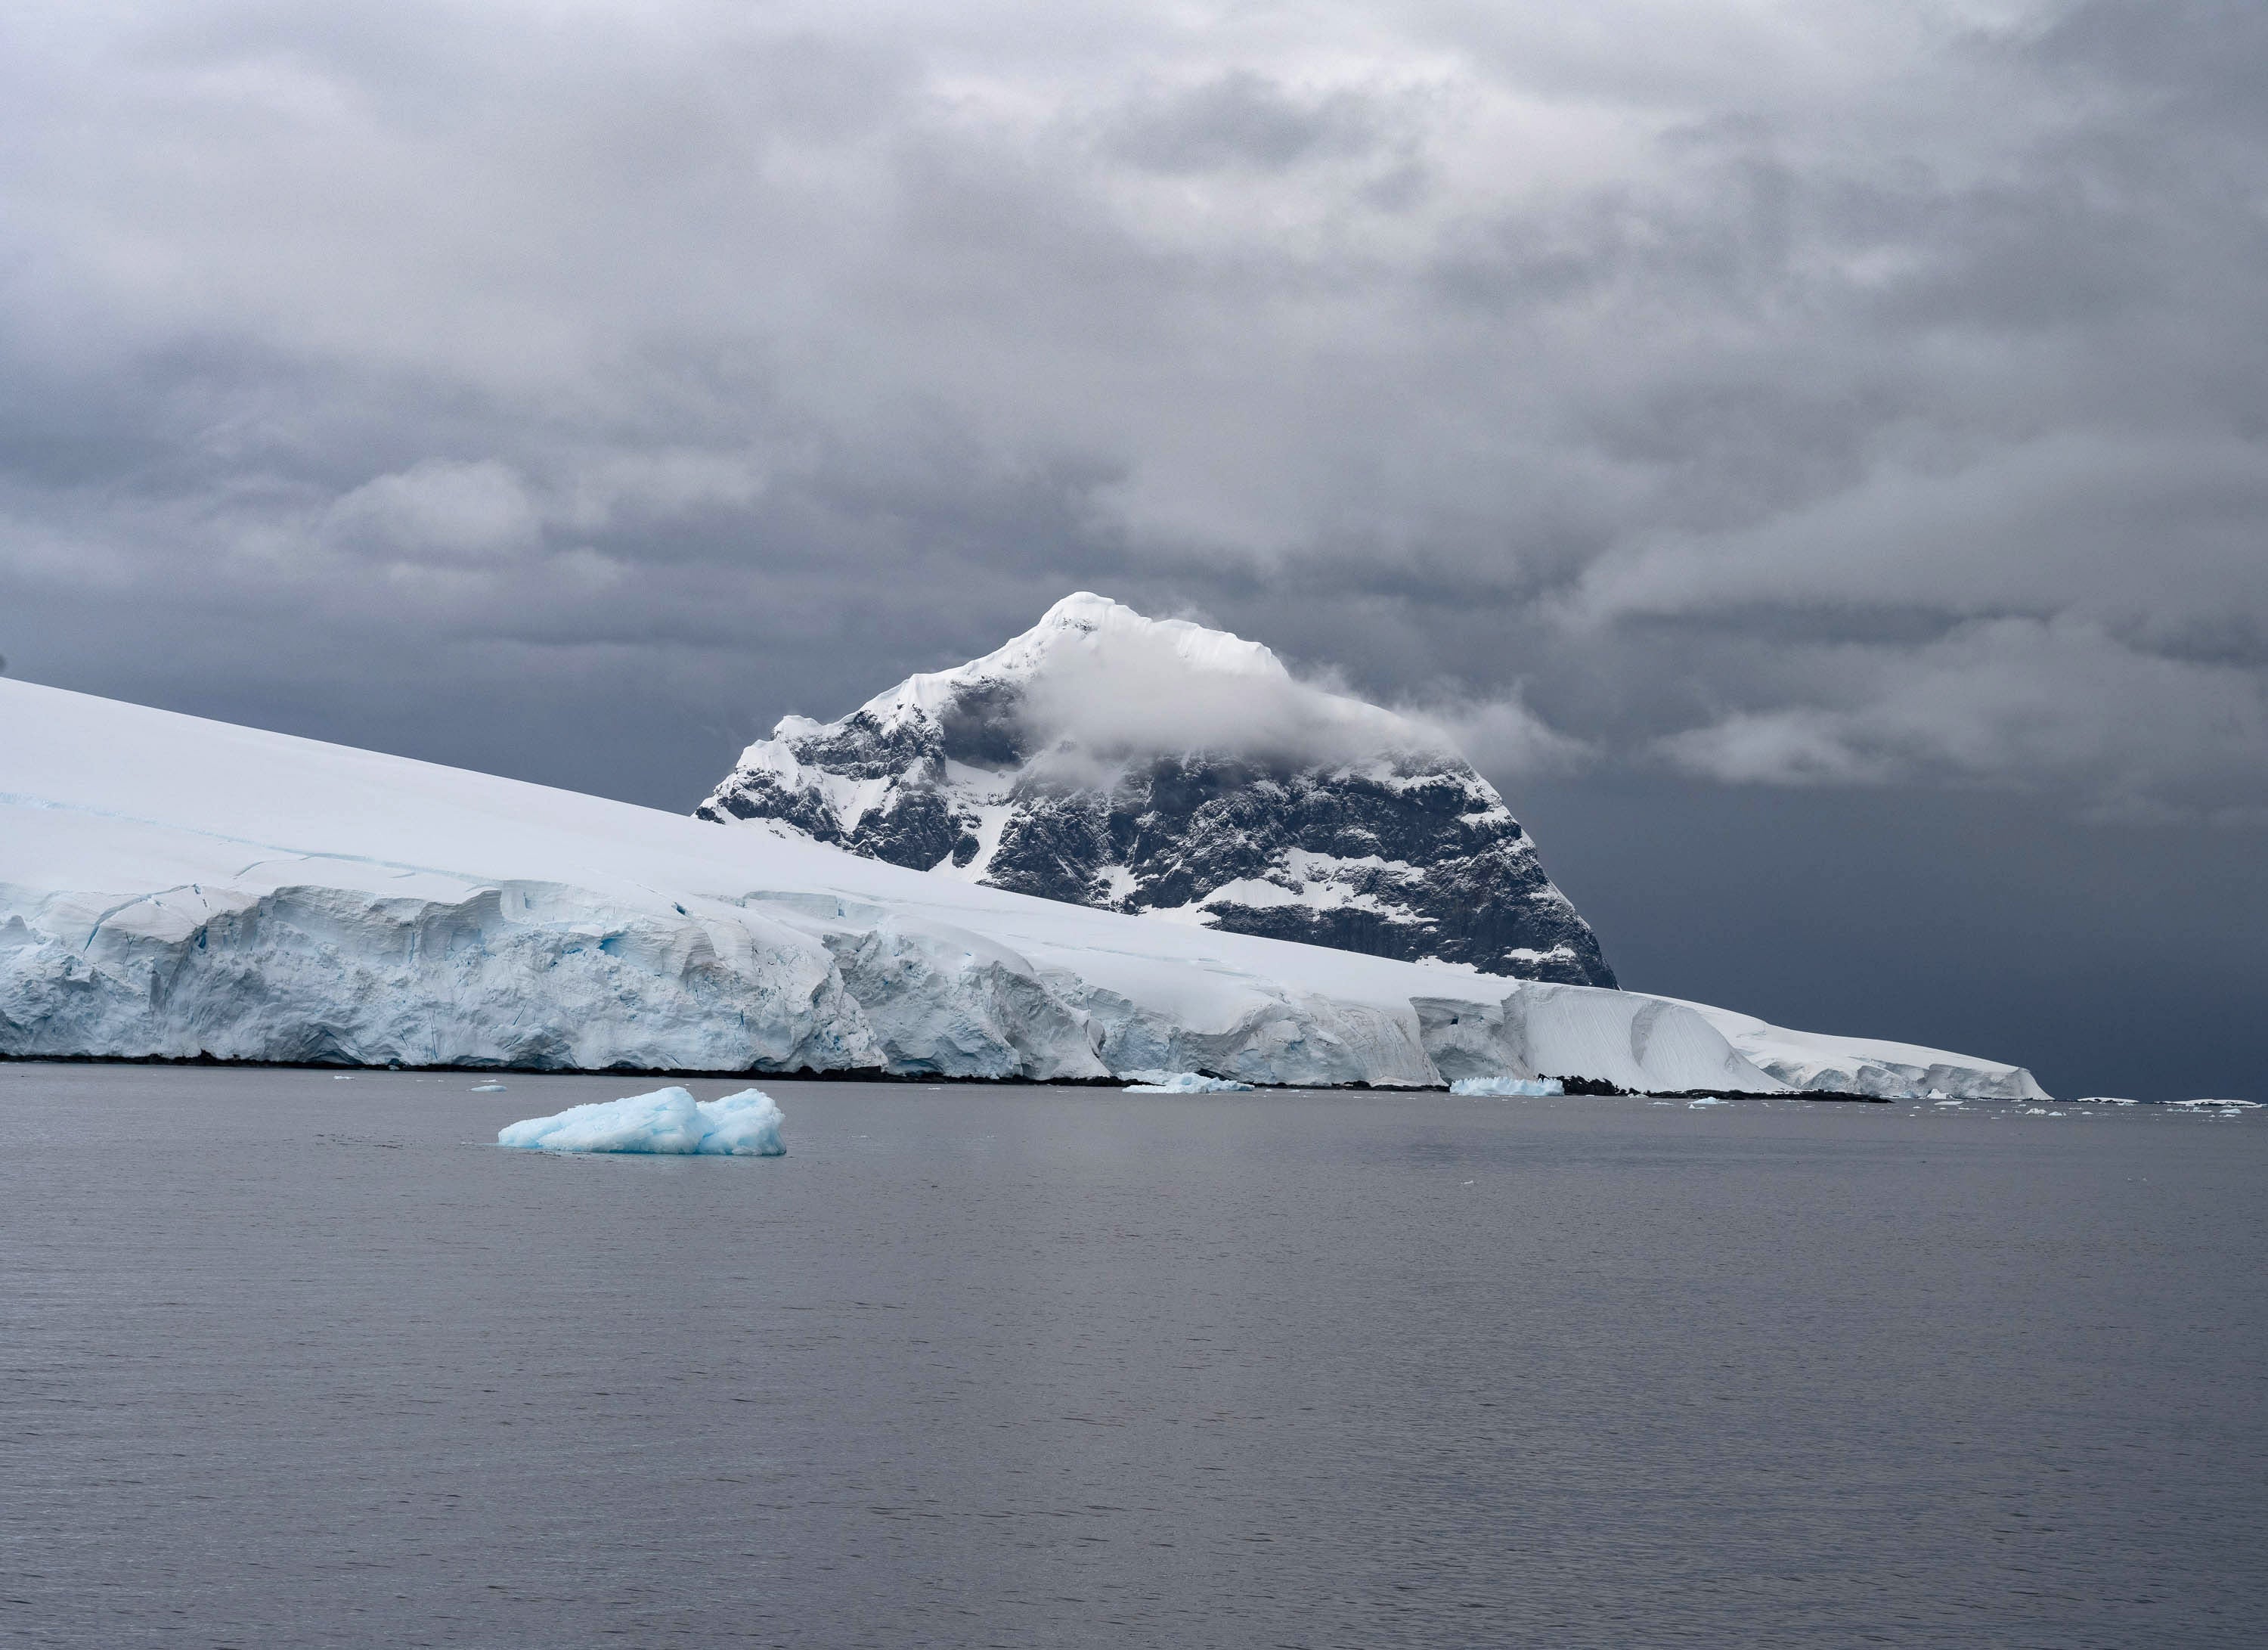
column 176, row 887
column 1867, row 1065
column 1157, row 767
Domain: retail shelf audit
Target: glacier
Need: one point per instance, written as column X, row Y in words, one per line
column 177, row 888
column 1810, row 1064
column 668, row 1121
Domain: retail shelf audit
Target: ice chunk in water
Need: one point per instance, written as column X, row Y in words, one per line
column 669, row 1121
column 1182, row 1083
column 1508, row 1087
column 745, row 1124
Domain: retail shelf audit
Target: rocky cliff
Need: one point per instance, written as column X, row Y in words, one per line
column 1159, row 767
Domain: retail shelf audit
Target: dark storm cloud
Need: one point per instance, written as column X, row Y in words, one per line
column 1810, row 394
column 1241, row 119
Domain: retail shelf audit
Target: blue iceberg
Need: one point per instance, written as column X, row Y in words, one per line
column 668, row 1121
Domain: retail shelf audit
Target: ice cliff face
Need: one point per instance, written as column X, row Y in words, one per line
column 174, row 888
column 1164, row 769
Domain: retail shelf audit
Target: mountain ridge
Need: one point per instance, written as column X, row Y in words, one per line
column 1161, row 769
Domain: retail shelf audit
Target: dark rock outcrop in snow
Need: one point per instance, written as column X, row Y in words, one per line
column 1161, row 769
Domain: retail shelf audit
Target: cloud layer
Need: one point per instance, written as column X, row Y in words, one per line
column 1860, row 395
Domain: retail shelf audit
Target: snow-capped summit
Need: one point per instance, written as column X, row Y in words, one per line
column 1160, row 768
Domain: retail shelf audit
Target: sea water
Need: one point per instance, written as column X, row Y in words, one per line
column 291, row 1359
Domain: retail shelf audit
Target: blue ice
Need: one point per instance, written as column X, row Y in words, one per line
column 669, row 1121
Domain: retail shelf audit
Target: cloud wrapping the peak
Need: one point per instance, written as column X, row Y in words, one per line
column 1106, row 684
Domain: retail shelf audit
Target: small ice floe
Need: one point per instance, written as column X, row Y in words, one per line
column 1508, row 1087
column 1946, row 1102
column 1696, row 1105
column 2101, row 1100
column 669, row 1122
column 1182, row 1083
column 488, row 1088
column 342, row 1076
column 2036, row 1111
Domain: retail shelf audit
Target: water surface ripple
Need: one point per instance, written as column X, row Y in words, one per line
column 290, row 1361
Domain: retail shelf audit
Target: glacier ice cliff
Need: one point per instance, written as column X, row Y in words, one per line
column 178, row 888
column 1810, row 1064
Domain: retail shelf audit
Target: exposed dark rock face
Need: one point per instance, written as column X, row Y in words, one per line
column 1054, row 845
column 1404, row 853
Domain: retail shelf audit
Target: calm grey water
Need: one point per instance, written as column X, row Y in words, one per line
column 288, row 1361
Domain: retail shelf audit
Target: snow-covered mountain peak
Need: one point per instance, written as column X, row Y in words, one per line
column 1095, row 682
column 1158, row 767
column 1086, row 626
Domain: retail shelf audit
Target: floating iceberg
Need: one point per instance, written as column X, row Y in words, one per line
column 1508, row 1087
column 668, row 1121
column 745, row 1124
column 2101, row 1100
column 1183, row 1083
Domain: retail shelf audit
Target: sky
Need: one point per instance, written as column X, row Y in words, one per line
column 1815, row 454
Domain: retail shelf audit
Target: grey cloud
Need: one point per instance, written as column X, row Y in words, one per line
column 2204, row 58
column 1709, row 347
column 1504, row 736
column 1244, row 119
column 2008, row 702
column 438, row 510
column 2077, row 521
